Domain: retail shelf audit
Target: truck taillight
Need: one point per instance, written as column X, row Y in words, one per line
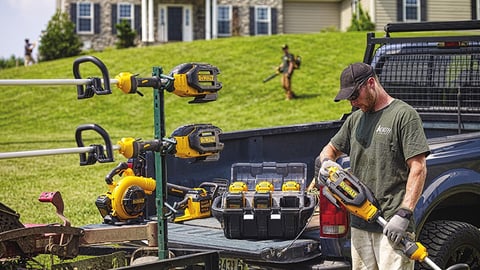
column 333, row 220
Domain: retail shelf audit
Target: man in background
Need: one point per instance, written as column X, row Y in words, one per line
column 286, row 68
column 28, row 52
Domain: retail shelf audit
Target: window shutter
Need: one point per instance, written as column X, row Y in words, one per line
column 138, row 19
column 474, row 10
column 400, row 10
column 274, row 20
column 73, row 14
column 252, row 21
column 114, row 19
column 96, row 18
column 423, row 10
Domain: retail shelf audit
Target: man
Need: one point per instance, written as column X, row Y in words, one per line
column 286, row 68
column 28, row 52
column 387, row 148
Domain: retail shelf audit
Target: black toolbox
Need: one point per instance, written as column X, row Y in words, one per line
column 265, row 201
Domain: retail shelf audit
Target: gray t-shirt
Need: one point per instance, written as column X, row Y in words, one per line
column 379, row 144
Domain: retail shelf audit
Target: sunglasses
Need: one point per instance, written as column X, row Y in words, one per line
column 359, row 87
column 355, row 94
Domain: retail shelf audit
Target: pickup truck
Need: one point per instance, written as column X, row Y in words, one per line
column 439, row 76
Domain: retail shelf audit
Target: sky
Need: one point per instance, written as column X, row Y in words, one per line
column 20, row 19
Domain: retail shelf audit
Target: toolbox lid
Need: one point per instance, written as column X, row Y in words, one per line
column 273, row 172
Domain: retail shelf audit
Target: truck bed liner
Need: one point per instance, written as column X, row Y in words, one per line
column 210, row 236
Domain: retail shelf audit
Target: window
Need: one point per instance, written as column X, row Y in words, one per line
column 262, row 20
column 224, row 20
column 411, row 10
column 125, row 13
column 85, row 18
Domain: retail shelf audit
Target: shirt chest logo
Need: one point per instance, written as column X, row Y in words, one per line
column 383, row 130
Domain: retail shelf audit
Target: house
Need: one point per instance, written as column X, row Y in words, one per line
column 158, row 21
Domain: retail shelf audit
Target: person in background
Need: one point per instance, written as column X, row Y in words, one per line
column 28, row 52
column 286, row 68
column 387, row 147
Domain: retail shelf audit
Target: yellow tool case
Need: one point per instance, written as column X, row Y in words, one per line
column 265, row 201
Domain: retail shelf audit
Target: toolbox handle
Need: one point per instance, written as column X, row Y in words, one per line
column 95, row 86
column 97, row 153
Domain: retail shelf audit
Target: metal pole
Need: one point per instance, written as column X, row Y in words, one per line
column 160, row 168
column 51, row 82
column 50, row 152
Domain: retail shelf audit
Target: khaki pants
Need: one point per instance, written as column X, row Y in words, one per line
column 373, row 251
column 28, row 60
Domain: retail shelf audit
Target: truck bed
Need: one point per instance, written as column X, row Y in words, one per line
column 208, row 235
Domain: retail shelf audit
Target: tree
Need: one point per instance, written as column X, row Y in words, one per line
column 126, row 35
column 59, row 40
column 361, row 21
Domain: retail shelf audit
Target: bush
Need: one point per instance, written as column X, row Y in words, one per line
column 363, row 23
column 11, row 62
column 59, row 40
column 126, row 35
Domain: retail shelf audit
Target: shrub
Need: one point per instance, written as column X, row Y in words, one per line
column 361, row 21
column 126, row 35
column 59, row 40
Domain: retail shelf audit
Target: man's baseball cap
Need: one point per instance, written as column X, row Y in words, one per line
column 284, row 46
column 353, row 77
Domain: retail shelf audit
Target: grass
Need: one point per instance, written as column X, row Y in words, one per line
column 45, row 117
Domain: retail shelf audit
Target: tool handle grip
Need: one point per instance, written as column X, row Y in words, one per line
column 98, row 153
column 95, row 86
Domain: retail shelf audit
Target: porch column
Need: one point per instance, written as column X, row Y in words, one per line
column 208, row 20
column 144, row 21
column 150, row 21
column 214, row 19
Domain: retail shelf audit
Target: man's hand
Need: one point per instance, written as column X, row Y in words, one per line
column 395, row 228
column 326, row 164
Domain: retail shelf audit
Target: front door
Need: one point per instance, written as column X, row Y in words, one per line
column 175, row 23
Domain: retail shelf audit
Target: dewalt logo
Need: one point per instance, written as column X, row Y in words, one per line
column 349, row 190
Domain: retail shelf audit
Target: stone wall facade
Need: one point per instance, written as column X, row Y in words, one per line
column 241, row 28
column 106, row 38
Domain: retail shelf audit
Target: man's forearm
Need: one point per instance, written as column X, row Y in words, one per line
column 415, row 182
column 329, row 152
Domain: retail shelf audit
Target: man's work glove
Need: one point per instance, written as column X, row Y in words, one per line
column 395, row 228
column 326, row 164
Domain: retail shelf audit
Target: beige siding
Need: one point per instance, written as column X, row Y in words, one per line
column 345, row 15
column 447, row 10
column 307, row 17
column 386, row 12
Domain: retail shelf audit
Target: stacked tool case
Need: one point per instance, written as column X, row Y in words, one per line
column 265, row 201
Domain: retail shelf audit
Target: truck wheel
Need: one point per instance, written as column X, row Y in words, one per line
column 451, row 242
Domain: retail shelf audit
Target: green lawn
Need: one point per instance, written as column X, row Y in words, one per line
column 45, row 117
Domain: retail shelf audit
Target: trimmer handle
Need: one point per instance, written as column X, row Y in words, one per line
column 98, row 153
column 95, row 87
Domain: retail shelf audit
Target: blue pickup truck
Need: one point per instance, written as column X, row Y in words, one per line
column 439, row 76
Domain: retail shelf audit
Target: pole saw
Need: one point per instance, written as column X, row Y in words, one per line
column 343, row 188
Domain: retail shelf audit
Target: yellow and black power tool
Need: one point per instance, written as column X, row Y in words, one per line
column 125, row 200
column 346, row 189
column 196, row 202
column 198, row 80
column 199, row 141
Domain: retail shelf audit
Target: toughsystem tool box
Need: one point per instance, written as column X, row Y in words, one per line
column 265, row 201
